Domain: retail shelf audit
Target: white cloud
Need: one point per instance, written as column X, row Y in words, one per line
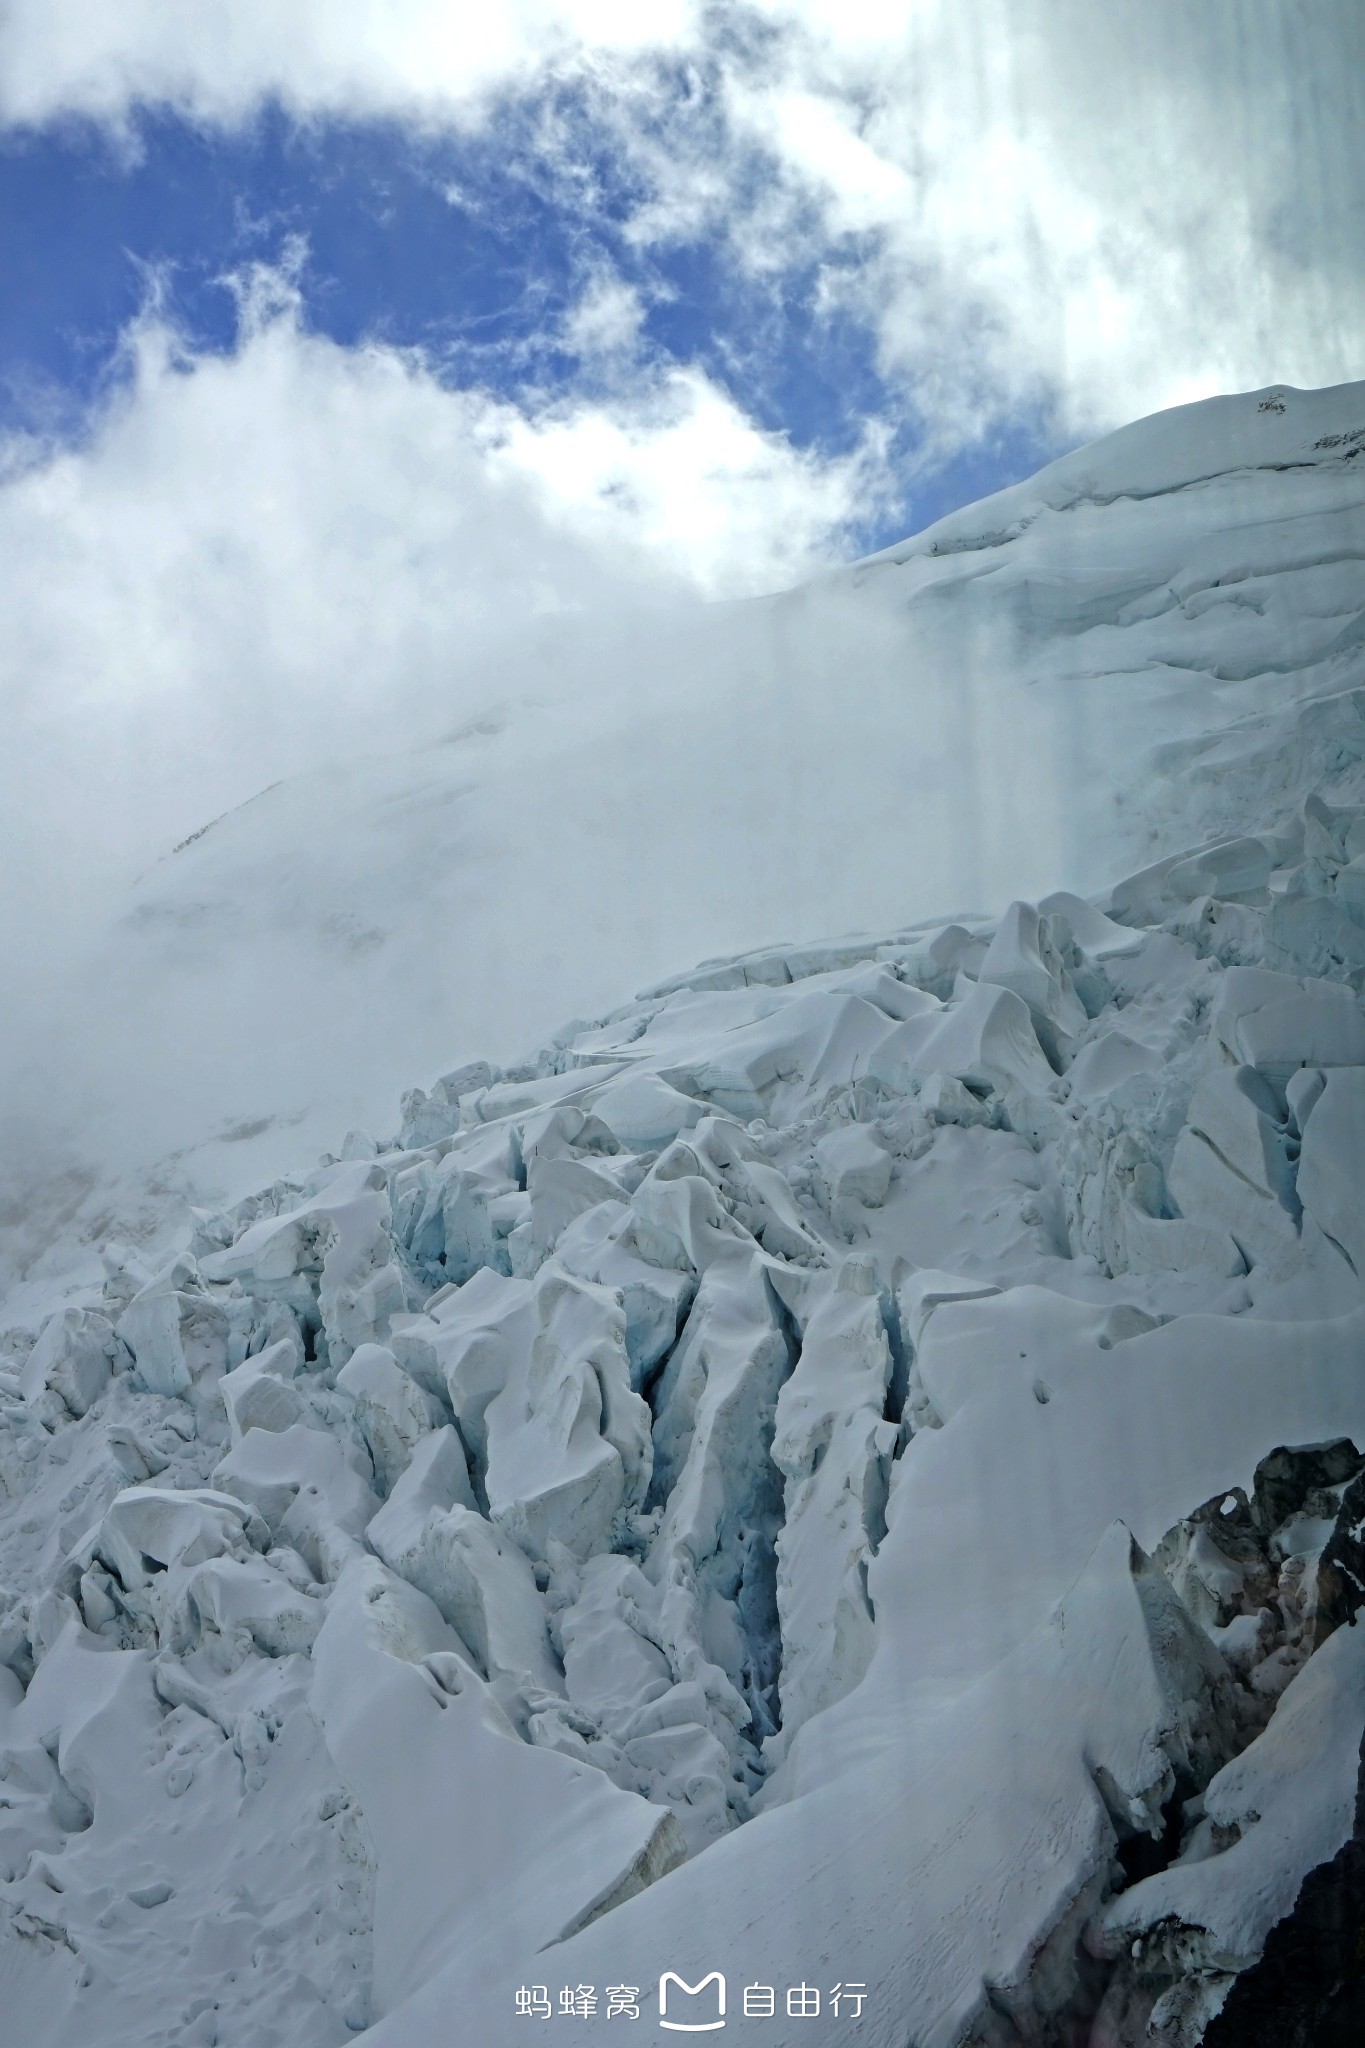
column 300, row 548
column 678, row 471
column 606, row 320
column 217, row 59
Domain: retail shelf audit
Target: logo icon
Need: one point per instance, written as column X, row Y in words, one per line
column 700, row 2026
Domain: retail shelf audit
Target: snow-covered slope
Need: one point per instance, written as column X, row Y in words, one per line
column 979, row 715
column 847, row 1472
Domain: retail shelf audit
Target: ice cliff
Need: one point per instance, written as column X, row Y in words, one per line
column 846, row 1472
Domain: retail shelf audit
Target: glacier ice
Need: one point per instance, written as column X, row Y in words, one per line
column 852, row 1460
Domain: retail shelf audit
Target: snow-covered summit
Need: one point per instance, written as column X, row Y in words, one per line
column 1215, row 443
column 846, row 1471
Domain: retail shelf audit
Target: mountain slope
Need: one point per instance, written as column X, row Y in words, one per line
column 846, row 1472
column 981, row 712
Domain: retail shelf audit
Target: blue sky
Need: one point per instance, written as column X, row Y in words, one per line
column 469, row 247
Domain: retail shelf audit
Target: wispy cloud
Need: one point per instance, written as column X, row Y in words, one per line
column 606, row 320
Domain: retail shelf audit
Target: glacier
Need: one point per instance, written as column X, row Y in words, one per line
column 845, row 1471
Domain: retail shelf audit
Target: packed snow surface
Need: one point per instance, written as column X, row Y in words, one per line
column 838, row 1486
